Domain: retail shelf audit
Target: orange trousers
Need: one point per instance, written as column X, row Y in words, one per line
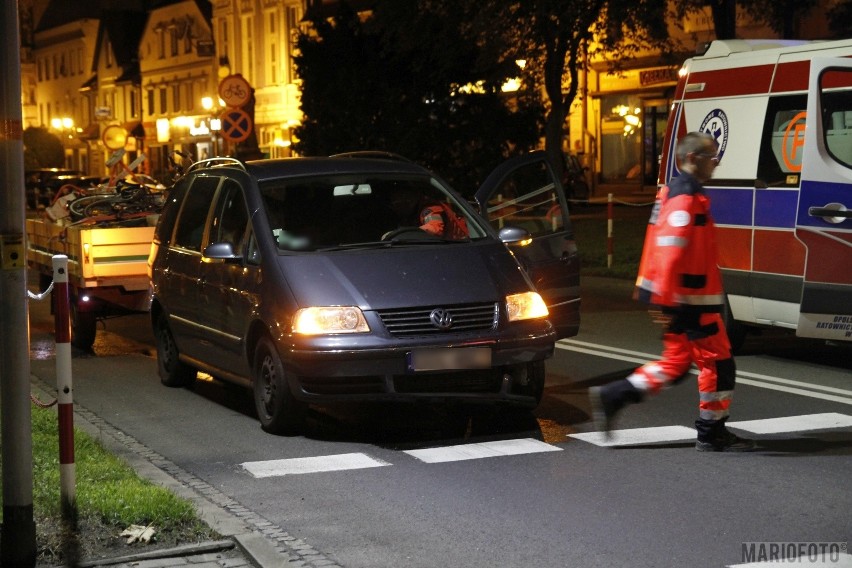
column 702, row 340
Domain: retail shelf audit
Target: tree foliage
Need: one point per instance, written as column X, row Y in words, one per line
column 42, row 149
column 558, row 37
column 411, row 79
column 780, row 15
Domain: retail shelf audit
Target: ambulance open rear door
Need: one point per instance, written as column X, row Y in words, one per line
column 824, row 213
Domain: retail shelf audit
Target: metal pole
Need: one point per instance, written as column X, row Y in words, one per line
column 67, row 468
column 18, row 534
column 65, row 398
column 609, row 243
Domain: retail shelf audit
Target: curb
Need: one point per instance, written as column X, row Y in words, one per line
column 264, row 544
column 183, row 550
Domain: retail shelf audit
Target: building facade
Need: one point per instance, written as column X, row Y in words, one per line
column 618, row 120
column 150, row 83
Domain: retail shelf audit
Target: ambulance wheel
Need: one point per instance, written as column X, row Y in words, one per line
column 737, row 330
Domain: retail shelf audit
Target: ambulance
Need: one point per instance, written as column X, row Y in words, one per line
column 781, row 197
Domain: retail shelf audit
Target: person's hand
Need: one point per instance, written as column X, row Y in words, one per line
column 435, row 227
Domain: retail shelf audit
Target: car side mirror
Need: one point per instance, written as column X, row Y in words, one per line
column 512, row 235
column 221, row 251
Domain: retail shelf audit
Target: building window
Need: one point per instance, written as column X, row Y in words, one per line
column 150, row 102
column 176, row 98
column 173, row 41
column 164, row 101
column 132, row 104
column 248, row 46
column 621, row 139
column 161, row 44
column 293, row 18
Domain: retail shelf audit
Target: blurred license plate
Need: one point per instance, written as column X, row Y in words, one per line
column 443, row 359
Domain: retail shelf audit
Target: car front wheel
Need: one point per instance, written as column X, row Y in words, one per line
column 278, row 410
column 173, row 372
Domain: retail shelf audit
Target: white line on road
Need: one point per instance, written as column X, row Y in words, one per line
column 744, row 377
column 804, row 423
column 662, row 434
column 638, row 436
column 482, row 450
column 297, row 466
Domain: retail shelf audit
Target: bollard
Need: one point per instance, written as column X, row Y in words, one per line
column 62, row 311
column 609, row 246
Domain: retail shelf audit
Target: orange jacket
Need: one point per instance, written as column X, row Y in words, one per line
column 679, row 266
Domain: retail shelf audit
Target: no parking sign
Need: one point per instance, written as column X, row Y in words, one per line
column 236, row 124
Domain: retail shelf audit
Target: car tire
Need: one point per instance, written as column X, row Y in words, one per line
column 173, row 372
column 277, row 409
column 84, row 327
column 535, row 379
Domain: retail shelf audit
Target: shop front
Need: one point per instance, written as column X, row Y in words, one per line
column 629, row 111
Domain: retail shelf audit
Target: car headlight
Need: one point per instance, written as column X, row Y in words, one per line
column 528, row 305
column 331, row 319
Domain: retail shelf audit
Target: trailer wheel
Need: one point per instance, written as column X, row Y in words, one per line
column 173, row 372
column 84, row 326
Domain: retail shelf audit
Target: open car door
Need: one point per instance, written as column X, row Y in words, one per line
column 525, row 192
column 824, row 215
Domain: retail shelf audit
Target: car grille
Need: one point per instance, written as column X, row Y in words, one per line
column 420, row 321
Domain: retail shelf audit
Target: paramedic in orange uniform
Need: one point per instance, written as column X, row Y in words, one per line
column 679, row 277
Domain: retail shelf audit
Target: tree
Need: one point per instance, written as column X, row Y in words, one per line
column 42, row 149
column 411, row 79
column 556, row 37
column 840, row 19
column 780, row 15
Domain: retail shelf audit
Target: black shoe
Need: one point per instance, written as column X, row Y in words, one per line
column 602, row 412
column 726, row 442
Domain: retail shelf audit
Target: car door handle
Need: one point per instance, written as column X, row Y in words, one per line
column 831, row 213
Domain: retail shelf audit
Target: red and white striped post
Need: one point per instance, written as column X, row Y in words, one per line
column 62, row 311
column 609, row 245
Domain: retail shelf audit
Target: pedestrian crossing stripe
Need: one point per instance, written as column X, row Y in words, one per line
column 664, row 434
column 482, row 450
column 503, row 448
column 297, row 466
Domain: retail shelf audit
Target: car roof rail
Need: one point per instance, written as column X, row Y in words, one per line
column 373, row 155
column 219, row 161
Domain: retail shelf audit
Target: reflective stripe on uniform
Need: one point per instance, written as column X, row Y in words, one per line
column 679, row 242
column 715, row 396
column 700, row 299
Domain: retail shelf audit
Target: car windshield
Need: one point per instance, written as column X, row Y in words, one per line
column 352, row 211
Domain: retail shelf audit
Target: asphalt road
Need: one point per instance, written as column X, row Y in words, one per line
column 427, row 486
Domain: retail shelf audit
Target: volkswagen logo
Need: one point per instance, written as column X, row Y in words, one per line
column 441, row 318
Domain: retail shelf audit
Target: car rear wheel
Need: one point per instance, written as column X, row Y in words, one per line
column 278, row 410
column 173, row 372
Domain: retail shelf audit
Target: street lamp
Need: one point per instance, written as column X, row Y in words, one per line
column 65, row 125
column 214, row 122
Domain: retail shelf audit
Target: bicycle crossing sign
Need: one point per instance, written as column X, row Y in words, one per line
column 236, row 124
column 234, row 90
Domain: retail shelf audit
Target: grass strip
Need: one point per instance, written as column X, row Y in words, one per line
column 110, row 496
